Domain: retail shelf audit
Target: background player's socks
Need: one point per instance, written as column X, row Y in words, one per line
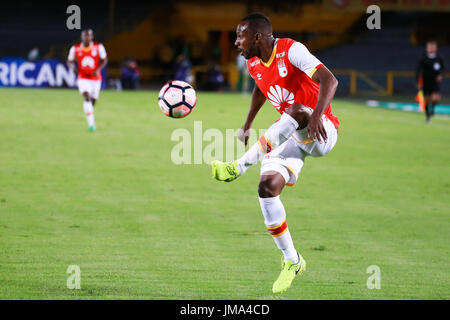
column 89, row 112
column 275, row 220
column 278, row 133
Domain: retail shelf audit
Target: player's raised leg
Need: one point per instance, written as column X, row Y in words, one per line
column 278, row 133
column 296, row 117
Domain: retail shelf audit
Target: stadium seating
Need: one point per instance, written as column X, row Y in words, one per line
column 379, row 51
column 28, row 25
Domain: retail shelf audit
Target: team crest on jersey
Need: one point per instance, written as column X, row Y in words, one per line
column 281, row 54
column 259, row 76
column 94, row 53
column 282, row 70
column 437, row 66
column 280, row 97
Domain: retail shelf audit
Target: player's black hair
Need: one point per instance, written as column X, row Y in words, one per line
column 258, row 22
column 431, row 41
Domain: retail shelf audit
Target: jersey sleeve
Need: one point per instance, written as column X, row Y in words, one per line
column 101, row 51
column 71, row 55
column 301, row 58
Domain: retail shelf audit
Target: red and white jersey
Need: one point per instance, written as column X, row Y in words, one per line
column 88, row 59
column 287, row 77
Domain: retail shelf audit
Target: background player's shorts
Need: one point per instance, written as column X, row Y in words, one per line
column 90, row 86
column 289, row 157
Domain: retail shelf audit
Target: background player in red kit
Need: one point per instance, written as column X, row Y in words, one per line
column 301, row 88
column 91, row 59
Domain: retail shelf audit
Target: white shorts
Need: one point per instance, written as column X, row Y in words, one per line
column 92, row 87
column 289, row 157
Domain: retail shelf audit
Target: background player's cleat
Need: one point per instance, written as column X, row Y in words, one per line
column 91, row 128
column 224, row 171
column 288, row 273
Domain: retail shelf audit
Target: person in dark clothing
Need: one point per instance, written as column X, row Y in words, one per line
column 214, row 78
column 429, row 74
column 129, row 74
column 183, row 69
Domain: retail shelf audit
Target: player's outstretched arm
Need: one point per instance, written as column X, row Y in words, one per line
column 72, row 66
column 258, row 100
column 328, row 85
column 71, row 60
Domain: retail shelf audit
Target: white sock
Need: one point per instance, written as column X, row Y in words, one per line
column 278, row 133
column 89, row 112
column 252, row 156
column 275, row 220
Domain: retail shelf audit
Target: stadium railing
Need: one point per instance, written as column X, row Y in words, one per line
column 387, row 85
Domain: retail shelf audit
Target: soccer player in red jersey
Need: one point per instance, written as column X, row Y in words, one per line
column 301, row 88
column 91, row 59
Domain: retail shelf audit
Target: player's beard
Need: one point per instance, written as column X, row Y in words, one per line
column 248, row 54
column 253, row 52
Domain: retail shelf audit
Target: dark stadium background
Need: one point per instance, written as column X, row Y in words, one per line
column 155, row 32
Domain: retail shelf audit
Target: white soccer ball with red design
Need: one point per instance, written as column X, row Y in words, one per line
column 177, row 99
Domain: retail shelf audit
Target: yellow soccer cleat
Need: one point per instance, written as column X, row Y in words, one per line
column 224, row 171
column 288, row 273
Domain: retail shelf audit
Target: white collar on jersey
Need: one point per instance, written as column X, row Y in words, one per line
column 272, row 57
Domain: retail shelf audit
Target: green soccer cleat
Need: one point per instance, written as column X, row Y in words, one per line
column 92, row 128
column 224, row 171
column 288, row 273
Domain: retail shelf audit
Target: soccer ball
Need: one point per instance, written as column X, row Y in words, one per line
column 177, row 99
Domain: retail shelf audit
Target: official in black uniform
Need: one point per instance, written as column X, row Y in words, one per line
column 429, row 74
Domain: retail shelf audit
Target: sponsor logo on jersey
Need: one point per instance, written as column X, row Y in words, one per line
column 278, row 96
column 88, row 62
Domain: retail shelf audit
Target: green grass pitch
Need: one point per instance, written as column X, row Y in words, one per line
column 140, row 227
